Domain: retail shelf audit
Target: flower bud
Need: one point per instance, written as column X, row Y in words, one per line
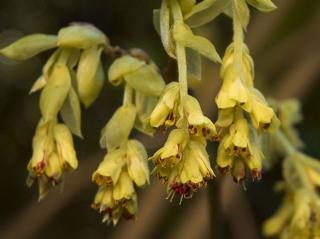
column 29, row 46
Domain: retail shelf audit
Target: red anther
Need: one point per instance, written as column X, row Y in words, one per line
column 256, row 175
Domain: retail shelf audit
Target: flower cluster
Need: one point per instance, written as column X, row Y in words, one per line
column 116, row 176
column 72, row 74
column 126, row 161
column 243, row 110
column 182, row 162
column 299, row 214
column 53, row 154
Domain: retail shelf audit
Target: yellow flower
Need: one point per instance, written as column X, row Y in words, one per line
column 198, row 124
column 262, row 116
column 65, row 148
column 110, row 168
column 53, row 154
column 172, row 152
column 224, row 158
column 165, row 112
column 137, row 163
column 190, row 174
column 237, row 140
column 117, row 201
column 298, row 216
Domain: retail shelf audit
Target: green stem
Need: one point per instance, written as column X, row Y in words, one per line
column 285, row 143
column 290, row 150
column 127, row 96
column 180, row 51
column 237, row 38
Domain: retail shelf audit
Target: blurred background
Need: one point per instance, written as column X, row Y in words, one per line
column 285, row 45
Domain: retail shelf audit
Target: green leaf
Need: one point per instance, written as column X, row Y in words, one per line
column 38, row 84
column 243, row 13
column 146, row 80
column 156, row 20
column 165, row 32
column 71, row 113
column 187, row 5
column 201, row 6
column 122, row 66
column 184, row 36
column 263, row 5
column 29, row 46
column 198, row 19
column 89, row 85
column 144, row 105
column 81, row 36
column 47, row 68
column 194, row 66
column 55, row 92
column 118, row 129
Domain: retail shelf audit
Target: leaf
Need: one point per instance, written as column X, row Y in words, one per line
column 29, row 46
column 122, row 66
column 144, row 105
column 55, row 92
column 194, row 66
column 242, row 12
column 71, row 113
column 184, row 36
column 156, row 20
column 187, row 5
column 38, row 84
column 89, row 85
column 201, row 6
column 146, row 80
column 50, row 63
column 81, row 36
column 165, row 32
column 207, row 15
column 118, row 128
column 263, row 5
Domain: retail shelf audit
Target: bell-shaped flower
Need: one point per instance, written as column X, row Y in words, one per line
column 165, row 112
column 237, row 140
column 190, row 174
column 198, row 124
column 117, row 201
column 137, row 163
column 172, row 151
column 110, row 168
column 262, row 116
column 65, row 148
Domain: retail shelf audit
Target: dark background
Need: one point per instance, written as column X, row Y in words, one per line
column 285, row 45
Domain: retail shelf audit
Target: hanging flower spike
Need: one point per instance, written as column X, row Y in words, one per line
column 53, row 154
